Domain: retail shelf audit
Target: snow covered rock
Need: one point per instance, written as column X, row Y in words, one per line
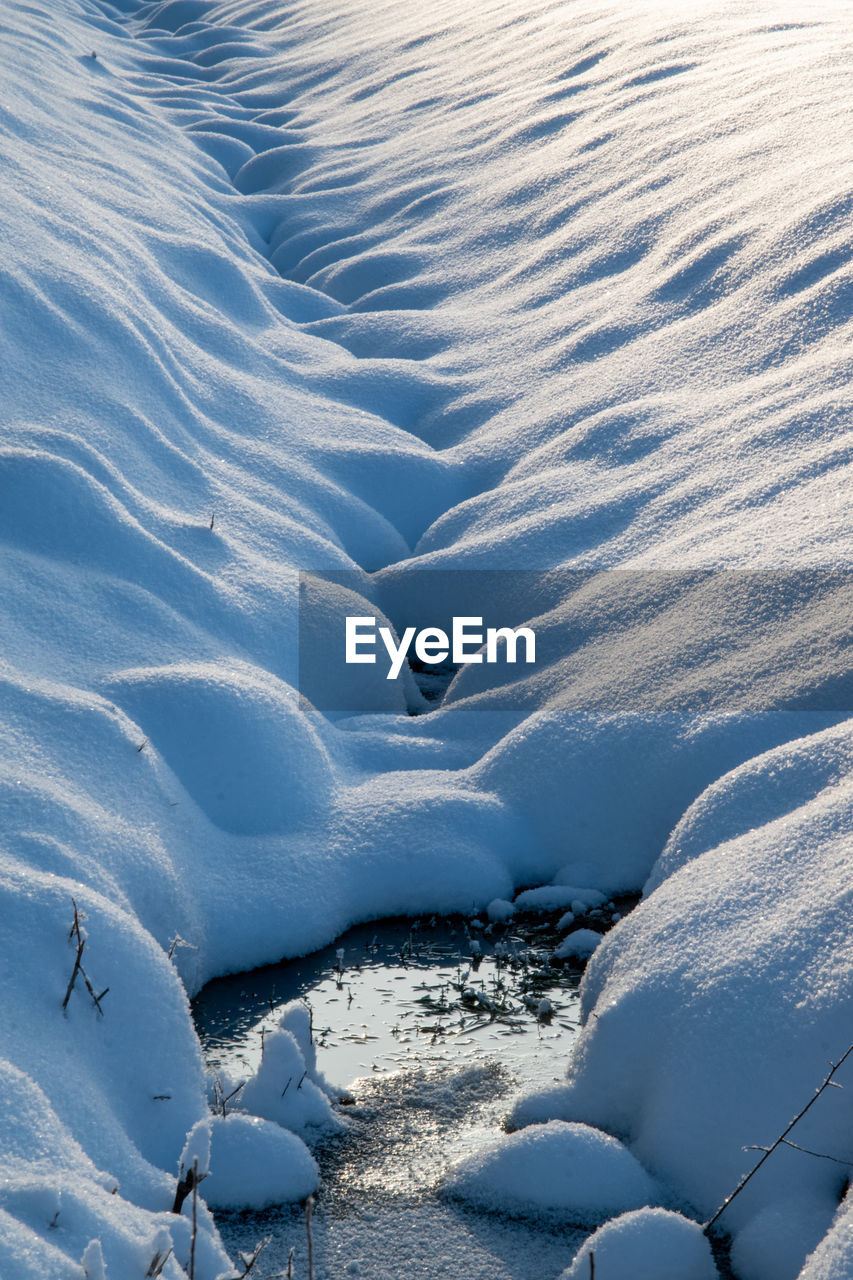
column 566, row 1171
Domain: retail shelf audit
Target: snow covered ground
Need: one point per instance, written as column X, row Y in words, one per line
column 369, row 287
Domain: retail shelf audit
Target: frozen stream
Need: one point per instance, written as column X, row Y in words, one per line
column 433, row 1029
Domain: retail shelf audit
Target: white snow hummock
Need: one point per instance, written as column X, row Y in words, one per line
column 563, row 1171
column 499, row 910
column 578, row 945
column 287, row 1088
column 647, row 1244
column 255, row 1163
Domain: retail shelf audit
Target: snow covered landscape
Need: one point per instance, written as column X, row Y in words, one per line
column 324, row 309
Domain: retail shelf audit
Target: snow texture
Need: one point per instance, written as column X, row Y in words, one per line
column 367, row 287
column 569, row 1172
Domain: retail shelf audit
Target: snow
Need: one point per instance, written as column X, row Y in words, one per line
column 255, row 1163
column 646, row 1244
column 195, row 1156
column 499, row 910
column 93, row 1261
column 282, row 1089
column 351, row 287
column 579, row 944
column 570, row 1172
column 728, row 991
column 554, row 897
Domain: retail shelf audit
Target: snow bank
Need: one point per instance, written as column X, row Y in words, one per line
column 648, row 1244
column 565, row 1171
column 728, row 991
column 359, row 288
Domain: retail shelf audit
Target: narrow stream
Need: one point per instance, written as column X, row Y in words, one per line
column 433, row 1028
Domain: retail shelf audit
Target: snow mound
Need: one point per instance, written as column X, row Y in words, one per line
column 255, row 1164
column 727, row 990
column 579, row 945
column 566, row 1171
column 236, row 742
column 647, row 1244
column 774, row 1241
column 499, row 910
column 553, row 897
column 287, row 1088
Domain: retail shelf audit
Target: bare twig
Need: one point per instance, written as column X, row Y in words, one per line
column 221, row 1098
column 196, row 1181
column 158, row 1262
column 75, row 932
column 187, row 1182
column 81, row 946
column 96, row 1000
column 795, row 1146
column 781, row 1140
column 309, row 1206
column 232, row 1094
column 249, row 1260
column 592, row 1265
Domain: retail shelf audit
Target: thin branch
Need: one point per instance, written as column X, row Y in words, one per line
column 233, row 1094
column 95, row 999
column 81, row 946
column 768, row 1151
column 249, row 1260
column 157, row 1264
column 309, row 1205
column 821, row 1155
column 196, row 1181
column 186, row 1183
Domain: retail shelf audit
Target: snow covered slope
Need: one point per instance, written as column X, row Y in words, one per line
column 354, row 286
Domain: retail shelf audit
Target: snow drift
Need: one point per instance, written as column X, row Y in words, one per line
column 353, row 287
